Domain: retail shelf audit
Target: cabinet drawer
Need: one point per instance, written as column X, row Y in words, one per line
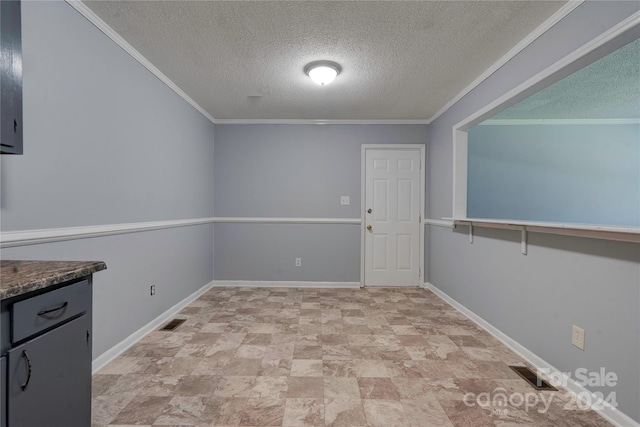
column 30, row 316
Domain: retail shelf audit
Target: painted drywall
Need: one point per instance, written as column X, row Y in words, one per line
column 177, row 261
column 106, row 142
column 267, row 252
column 563, row 280
column 587, row 174
column 295, row 171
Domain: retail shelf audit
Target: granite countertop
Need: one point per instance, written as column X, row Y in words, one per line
column 19, row 277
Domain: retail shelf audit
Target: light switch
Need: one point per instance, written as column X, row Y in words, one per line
column 345, row 200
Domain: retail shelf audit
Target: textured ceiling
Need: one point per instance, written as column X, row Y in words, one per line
column 401, row 60
column 606, row 89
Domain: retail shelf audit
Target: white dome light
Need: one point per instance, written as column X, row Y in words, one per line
column 322, row 75
column 322, row 72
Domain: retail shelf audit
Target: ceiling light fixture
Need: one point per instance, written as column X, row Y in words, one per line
column 322, row 72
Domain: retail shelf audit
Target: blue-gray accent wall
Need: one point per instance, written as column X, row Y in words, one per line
column 106, row 142
column 588, row 174
column 297, row 171
column 536, row 298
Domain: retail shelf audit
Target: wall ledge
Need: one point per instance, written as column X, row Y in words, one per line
column 624, row 234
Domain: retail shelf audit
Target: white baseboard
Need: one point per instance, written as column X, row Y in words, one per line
column 288, row 284
column 115, row 351
column 608, row 412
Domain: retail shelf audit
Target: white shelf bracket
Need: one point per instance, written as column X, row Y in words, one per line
column 523, row 234
column 470, row 233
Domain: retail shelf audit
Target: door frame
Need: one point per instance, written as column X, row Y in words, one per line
column 363, row 225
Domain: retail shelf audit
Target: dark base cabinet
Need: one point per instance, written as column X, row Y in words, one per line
column 46, row 357
column 52, row 370
column 3, row 390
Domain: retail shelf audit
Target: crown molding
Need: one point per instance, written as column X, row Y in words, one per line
column 92, row 17
column 317, row 122
column 533, row 36
column 84, row 10
column 546, row 76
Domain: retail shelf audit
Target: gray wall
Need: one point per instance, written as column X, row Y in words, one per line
column 178, row 261
column 293, row 171
column 105, row 143
column 563, row 280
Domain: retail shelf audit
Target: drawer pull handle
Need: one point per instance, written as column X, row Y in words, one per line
column 51, row 310
column 26, row 357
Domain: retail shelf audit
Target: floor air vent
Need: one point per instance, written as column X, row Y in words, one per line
column 172, row 325
column 529, row 376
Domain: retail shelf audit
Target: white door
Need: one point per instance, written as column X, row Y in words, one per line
column 392, row 217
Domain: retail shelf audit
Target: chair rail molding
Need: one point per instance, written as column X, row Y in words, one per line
column 9, row 239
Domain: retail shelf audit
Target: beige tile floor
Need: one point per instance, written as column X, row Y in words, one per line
column 323, row 357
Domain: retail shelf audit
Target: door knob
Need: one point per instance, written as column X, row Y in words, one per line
column 369, row 227
column 369, row 210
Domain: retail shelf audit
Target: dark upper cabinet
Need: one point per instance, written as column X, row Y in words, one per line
column 10, row 77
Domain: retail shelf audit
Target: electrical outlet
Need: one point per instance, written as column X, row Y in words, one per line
column 577, row 337
column 152, row 289
column 298, row 262
column 345, row 200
